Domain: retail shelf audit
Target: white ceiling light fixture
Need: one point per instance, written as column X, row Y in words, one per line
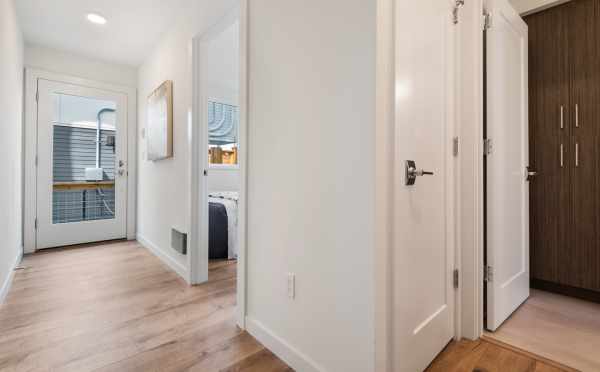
column 96, row 18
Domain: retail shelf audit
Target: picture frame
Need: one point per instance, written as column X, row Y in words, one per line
column 159, row 127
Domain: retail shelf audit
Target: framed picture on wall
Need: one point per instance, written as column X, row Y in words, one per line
column 159, row 127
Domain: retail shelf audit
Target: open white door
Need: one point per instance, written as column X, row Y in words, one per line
column 423, row 250
column 506, row 160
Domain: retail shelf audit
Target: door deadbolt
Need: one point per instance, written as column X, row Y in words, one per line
column 412, row 172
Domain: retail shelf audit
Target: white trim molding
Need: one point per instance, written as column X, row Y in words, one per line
column 165, row 258
column 284, row 351
column 198, row 234
column 470, row 176
column 9, row 278
column 32, row 76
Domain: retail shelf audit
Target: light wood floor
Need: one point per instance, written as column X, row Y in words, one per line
column 560, row 328
column 486, row 356
column 115, row 307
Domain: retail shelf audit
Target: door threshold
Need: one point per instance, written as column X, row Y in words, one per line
column 79, row 246
column 489, row 337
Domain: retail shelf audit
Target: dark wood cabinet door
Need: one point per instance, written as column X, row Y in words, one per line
column 549, row 136
column 581, row 259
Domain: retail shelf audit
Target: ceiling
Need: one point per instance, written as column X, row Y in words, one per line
column 133, row 28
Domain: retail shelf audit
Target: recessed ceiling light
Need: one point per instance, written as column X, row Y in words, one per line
column 96, row 18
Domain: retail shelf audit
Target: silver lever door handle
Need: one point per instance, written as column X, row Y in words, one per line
column 412, row 172
column 531, row 174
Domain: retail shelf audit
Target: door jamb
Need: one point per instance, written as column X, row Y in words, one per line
column 30, row 148
column 470, row 182
column 198, row 243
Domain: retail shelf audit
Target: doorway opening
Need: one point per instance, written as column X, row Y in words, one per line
column 554, row 313
column 77, row 144
column 218, row 185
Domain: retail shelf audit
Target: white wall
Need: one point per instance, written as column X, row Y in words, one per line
column 11, row 107
column 163, row 186
column 74, row 65
column 311, row 180
column 529, row 6
column 223, row 179
column 223, row 63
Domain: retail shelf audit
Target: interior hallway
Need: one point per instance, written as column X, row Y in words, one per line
column 562, row 328
column 115, row 307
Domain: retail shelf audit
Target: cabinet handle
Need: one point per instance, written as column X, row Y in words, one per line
column 562, row 155
column 577, row 154
column 562, row 117
column 576, row 116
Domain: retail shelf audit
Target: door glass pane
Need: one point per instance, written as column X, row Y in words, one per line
column 83, row 168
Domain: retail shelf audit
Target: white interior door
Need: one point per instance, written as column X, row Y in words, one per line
column 507, row 161
column 423, row 254
column 81, row 165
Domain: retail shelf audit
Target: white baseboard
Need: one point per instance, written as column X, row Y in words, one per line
column 9, row 278
column 168, row 260
column 293, row 357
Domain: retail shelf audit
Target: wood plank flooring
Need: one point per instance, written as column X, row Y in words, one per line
column 564, row 329
column 485, row 356
column 115, row 307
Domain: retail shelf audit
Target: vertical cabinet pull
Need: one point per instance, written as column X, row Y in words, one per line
column 577, row 154
column 562, row 117
column 576, row 116
column 562, row 155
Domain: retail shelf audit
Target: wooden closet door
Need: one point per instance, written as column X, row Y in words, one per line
column 581, row 260
column 549, row 191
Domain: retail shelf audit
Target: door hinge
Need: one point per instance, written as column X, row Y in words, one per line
column 455, row 279
column 487, row 146
column 36, row 160
column 35, row 223
column 487, row 21
column 488, row 274
column 457, row 5
column 455, row 146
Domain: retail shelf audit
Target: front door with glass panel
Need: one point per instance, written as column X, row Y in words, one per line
column 81, row 171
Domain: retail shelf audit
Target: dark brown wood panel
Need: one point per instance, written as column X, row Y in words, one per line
column 564, row 69
column 582, row 264
column 548, row 91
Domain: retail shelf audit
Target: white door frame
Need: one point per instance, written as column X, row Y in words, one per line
column 471, row 203
column 386, row 171
column 30, row 142
column 198, row 243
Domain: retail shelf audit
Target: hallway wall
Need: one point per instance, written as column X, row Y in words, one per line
column 11, row 107
column 65, row 63
column 311, row 181
column 163, row 186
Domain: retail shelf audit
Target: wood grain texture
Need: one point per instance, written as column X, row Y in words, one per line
column 555, row 327
column 550, row 191
column 484, row 356
column 564, row 65
column 583, row 270
column 115, row 307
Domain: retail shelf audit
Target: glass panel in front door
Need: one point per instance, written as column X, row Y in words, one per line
column 83, row 160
